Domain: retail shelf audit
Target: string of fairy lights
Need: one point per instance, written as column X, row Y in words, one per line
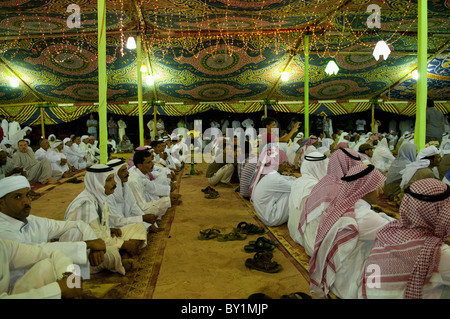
column 187, row 27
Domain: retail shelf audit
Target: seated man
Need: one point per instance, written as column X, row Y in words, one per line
column 58, row 160
column 151, row 197
column 91, row 206
column 7, row 167
column 124, row 209
column 16, row 223
column 47, row 277
column 37, row 171
column 346, row 233
column 422, row 167
column 412, row 259
column 366, row 152
column 270, row 190
column 222, row 168
column 75, row 158
column 125, row 145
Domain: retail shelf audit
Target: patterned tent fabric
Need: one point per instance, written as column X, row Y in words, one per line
column 202, row 51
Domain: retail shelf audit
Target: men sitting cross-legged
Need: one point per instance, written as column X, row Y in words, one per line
column 91, row 206
column 75, row 158
column 47, row 277
column 37, row 171
column 147, row 192
column 16, row 223
column 124, row 209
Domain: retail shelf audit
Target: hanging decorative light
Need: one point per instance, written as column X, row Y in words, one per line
column 415, row 75
column 131, row 43
column 285, row 76
column 14, row 82
column 150, row 80
column 381, row 48
column 332, row 68
column 143, row 68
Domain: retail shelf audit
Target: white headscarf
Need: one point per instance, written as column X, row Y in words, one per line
column 382, row 157
column 314, row 167
column 94, row 191
column 420, row 162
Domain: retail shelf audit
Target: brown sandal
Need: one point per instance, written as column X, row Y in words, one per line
column 262, row 261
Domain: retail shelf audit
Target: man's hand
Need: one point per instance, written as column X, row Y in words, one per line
column 116, row 232
column 96, row 244
column 149, row 218
column 96, row 257
column 63, row 161
column 296, row 125
column 69, row 293
column 131, row 246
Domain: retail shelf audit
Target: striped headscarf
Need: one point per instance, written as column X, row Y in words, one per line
column 360, row 181
column 408, row 250
column 340, row 161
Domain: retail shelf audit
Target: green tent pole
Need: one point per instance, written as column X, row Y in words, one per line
column 102, row 82
column 42, row 122
column 306, row 85
column 421, row 91
column 139, row 83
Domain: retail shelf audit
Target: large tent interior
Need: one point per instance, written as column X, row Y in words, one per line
column 62, row 60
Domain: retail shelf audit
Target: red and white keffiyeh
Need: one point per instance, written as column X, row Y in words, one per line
column 407, row 250
column 340, row 161
column 322, row 268
column 269, row 160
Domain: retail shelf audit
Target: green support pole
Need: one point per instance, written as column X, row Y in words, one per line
column 139, row 83
column 42, row 122
column 102, row 82
column 421, row 91
column 306, row 85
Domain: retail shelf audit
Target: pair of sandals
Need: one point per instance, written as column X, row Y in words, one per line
column 212, row 233
column 262, row 261
column 210, row 192
column 261, row 244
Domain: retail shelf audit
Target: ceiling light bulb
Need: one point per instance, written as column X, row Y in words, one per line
column 131, row 43
column 332, row 68
column 143, row 68
column 150, row 80
column 285, row 76
column 14, row 82
column 415, row 75
column 381, row 49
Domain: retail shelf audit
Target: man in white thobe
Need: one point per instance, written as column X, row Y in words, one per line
column 75, row 239
column 91, row 206
column 124, row 209
column 270, row 196
column 152, row 198
column 74, row 157
column 46, row 277
column 13, row 129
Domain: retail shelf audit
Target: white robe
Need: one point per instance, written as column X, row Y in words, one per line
column 350, row 258
column 75, row 157
column 45, row 268
column 39, row 231
column 5, row 127
column 148, row 193
column 85, row 207
column 270, row 198
column 13, row 129
column 122, row 126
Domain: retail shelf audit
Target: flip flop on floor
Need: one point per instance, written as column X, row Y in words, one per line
column 212, row 195
column 262, row 261
column 250, row 229
column 208, row 189
column 264, row 239
column 296, row 295
column 209, row 233
column 259, row 245
column 231, row 236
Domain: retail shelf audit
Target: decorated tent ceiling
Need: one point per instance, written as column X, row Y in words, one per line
column 224, row 54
